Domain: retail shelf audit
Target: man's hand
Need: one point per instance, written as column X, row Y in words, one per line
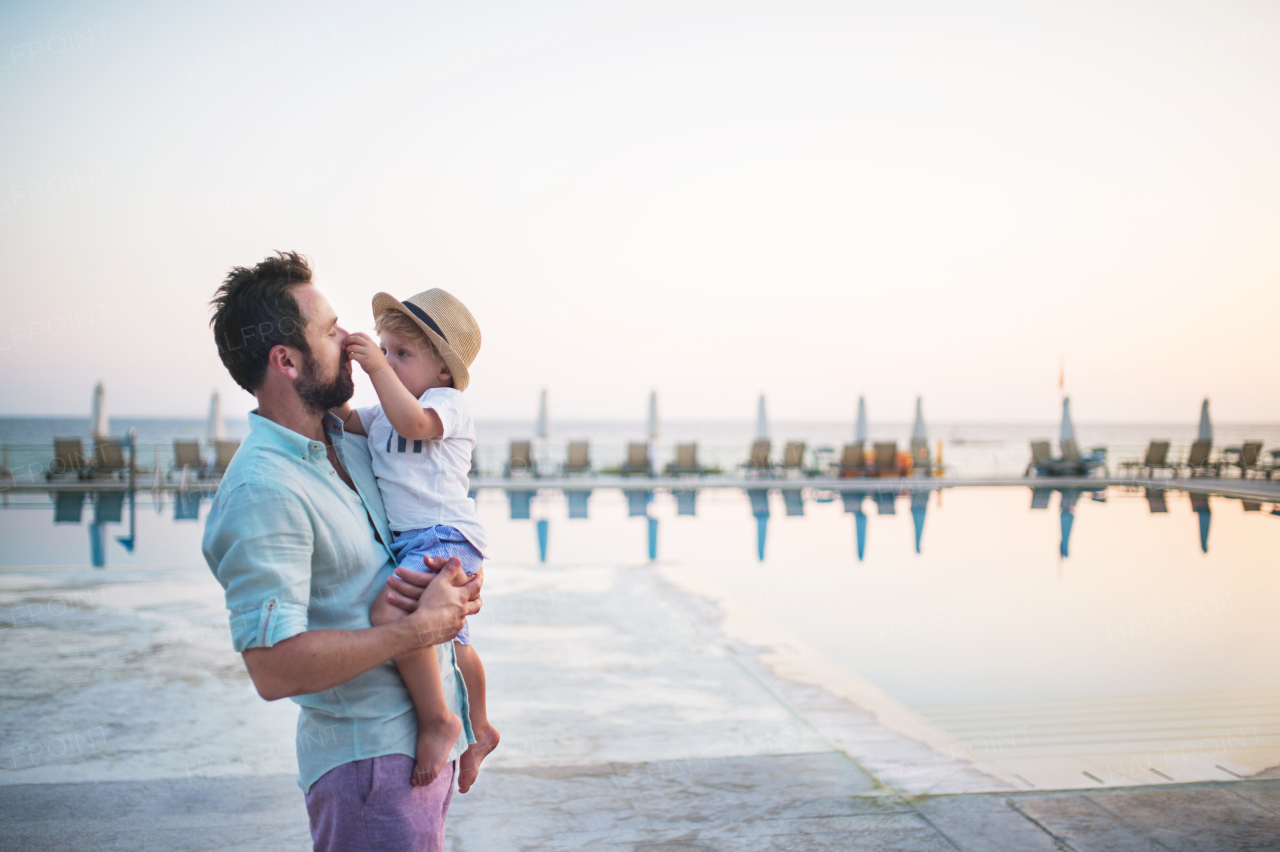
column 316, row 660
column 365, row 351
column 437, row 603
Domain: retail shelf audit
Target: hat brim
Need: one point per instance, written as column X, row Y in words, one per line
column 384, row 302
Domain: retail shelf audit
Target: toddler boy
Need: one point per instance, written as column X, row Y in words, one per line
column 421, row 437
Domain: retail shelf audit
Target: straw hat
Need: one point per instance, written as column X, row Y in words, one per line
column 445, row 321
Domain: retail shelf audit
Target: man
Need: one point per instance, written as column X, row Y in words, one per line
column 297, row 537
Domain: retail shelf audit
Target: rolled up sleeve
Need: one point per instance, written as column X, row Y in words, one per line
column 259, row 544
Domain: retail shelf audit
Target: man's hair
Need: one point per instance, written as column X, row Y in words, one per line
column 255, row 310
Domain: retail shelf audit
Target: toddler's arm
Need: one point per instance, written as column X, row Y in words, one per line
column 350, row 420
column 406, row 414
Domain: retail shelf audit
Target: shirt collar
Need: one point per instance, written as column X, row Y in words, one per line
column 291, row 442
column 333, row 423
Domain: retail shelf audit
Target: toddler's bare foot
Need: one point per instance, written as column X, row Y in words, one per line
column 469, row 763
column 434, row 742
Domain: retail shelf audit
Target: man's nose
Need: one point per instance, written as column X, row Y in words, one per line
column 343, row 334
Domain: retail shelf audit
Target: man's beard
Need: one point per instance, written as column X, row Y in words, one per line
column 321, row 396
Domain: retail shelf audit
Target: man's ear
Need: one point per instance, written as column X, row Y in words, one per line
column 285, row 360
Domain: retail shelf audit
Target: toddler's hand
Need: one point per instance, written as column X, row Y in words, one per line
column 365, row 351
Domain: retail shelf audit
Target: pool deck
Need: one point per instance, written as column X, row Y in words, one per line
column 640, row 710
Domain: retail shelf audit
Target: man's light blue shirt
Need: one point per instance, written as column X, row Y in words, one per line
column 296, row 549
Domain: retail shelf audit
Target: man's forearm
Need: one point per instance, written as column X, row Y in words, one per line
column 317, row 660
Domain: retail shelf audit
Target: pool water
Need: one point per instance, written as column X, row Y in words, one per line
column 1034, row 624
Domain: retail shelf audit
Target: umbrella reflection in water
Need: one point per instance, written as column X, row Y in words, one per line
column 853, row 505
column 1200, row 505
column 1069, row 498
column 919, row 505
column 760, row 510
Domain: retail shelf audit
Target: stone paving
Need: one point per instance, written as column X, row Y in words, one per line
column 633, row 719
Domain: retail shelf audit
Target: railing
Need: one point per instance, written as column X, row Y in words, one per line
column 31, row 463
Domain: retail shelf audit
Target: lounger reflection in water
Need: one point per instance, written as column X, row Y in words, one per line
column 577, row 501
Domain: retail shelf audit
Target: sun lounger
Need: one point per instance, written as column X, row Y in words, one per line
column 793, row 455
column 686, row 460
column 108, row 456
column 223, row 451
column 1041, row 458
column 885, row 458
column 1198, row 460
column 186, row 456
column 520, row 459
column 1156, row 458
column 578, row 459
column 1272, row 466
column 68, row 458
column 759, row 458
column 637, row 459
column 1071, row 464
column 1250, row 455
column 853, row 460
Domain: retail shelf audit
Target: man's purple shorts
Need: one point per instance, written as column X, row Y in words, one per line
column 370, row 805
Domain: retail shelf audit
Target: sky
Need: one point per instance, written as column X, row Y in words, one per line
column 713, row 200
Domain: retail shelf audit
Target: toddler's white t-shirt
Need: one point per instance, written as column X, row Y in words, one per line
column 425, row 483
